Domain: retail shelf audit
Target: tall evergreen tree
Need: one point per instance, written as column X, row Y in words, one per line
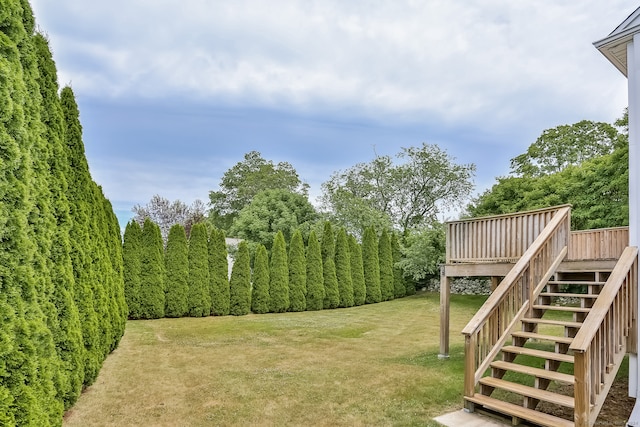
column 240, row 282
column 371, row 265
column 385, row 258
column 80, row 201
column 279, row 276
column 176, row 263
column 152, row 274
column 331, row 294
column 357, row 271
column 399, row 286
column 260, row 300
column 315, row 281
column 68, row 338
column 343, row 269
column 132, row 259
column 218, row 273
column 297, row 273
column 199, row 295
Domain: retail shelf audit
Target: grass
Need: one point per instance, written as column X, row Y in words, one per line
column 370, row 365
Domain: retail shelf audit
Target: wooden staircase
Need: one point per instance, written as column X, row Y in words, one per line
column 536, row 365
column 545, row 347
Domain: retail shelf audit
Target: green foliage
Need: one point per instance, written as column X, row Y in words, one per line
column 260, row 300
column 132, row 259
column 423, row 252
column 404, row 195
column 218, row 273
column 240, row 282
column 385, row 257
column 315, row 280
column 331, row 293
column 176, row 262
column 371, row 265
column 152, row 274
column 566, row 145
column 199, row 295
column 357, row 271
column 343, row 269
column 279, row 276
column 241, row 183
column 297, row 273
column 271, row 211
column 595, row 184
column 61, row 292
column 399, row 285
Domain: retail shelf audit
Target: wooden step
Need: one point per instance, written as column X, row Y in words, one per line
column 534, row 372
column 512, row 410
column 561, row 308
column 565, row 323
column 524, row 390
column 534, row 336
column 568, row 295
column 547, row 355
column 575, row 282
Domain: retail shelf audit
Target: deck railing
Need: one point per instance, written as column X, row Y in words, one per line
column 490, row 327
column 608, row 332
column 496, row 238
column 603, row 243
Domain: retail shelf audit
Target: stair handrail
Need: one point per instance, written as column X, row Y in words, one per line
column 607, row 333
column 489, row 329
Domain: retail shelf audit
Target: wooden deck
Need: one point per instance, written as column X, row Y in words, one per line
column 530, row 256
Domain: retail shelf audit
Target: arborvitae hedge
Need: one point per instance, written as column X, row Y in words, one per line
column 357, row 272
column 260, row 301
column 371, row 266
column 218, row 273
column 279, row 275
column 399, row 287
column 132, row 259
column 315, row 281
column 331, row 295
column 61, row 293
column 240, row 282
column 343, row 270
column 297, row 273
column 385, row 258
column 152, row 274
column 176, row 263
column 199, row 295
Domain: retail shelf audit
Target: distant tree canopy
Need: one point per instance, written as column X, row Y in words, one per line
column 403, row 196
column 241, row 183
column 592, row 175
column 166, row 214
column 271, row 211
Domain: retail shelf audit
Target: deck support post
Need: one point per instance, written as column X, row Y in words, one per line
column 445, row 296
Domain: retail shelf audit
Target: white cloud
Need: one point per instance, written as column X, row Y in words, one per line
column 450, row 59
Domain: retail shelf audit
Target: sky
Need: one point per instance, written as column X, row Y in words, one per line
column 173, row 93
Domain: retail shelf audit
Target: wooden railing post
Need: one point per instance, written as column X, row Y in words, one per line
column 445, row 295
column 582, row 373
column 470, row 344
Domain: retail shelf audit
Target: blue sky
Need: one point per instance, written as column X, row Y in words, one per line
column 173, row 93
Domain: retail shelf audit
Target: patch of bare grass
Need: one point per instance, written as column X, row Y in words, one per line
column 370, row 365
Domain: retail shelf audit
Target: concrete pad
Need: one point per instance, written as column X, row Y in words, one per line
column 462, row 418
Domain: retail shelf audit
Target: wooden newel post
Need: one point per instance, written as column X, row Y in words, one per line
column 582, row 396
column 445, row 293
column 469, row 369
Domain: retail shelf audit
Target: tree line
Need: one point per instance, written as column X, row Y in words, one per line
column 61, row 286
column 190, row 276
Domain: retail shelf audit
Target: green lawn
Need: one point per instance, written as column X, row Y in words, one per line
column 370, row 365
